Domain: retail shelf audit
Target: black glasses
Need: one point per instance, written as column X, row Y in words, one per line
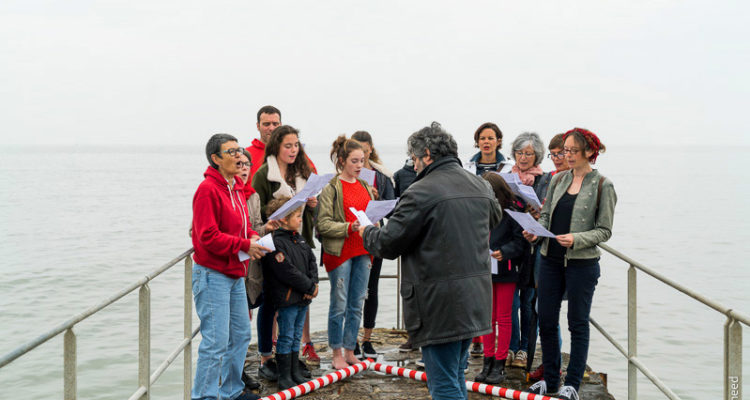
column 244, row 164
column 556, row 155
column 571, row 151
column 233, row 152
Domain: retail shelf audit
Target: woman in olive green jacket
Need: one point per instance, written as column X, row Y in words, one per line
column 579, row 210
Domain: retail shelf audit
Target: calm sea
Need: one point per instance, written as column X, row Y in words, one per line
column 89, row 220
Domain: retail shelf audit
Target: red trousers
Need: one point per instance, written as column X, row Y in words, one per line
column 502, row 304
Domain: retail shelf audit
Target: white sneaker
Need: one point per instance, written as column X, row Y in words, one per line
column 420, row 363
column 538, row 388
column 567, row 393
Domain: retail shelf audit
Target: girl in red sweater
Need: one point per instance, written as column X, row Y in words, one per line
column 345, row 258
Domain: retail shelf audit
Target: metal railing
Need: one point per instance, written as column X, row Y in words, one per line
column 732, row 334
column 146, row 378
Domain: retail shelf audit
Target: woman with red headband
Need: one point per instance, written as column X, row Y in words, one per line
column 579, row 210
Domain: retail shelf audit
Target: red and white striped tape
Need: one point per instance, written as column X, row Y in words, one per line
column 472, row 386
column 318, row 383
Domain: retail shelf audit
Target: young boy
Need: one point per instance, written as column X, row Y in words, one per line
column 291, row 282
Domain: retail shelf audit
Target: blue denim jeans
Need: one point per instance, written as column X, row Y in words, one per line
column 348, row 290
column 444, row 364
column 221, row 305
column 519, row 335
column 291, row 320
column 580, row 282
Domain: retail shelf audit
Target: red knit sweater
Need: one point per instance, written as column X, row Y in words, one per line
column 354, row 195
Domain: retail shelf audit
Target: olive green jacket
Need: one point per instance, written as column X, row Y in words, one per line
column 590, row 224
column 331, row 223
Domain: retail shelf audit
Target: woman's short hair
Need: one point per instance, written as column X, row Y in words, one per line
column 213, row 146
column 556, row 142
column 533, row 139
column 489, row 125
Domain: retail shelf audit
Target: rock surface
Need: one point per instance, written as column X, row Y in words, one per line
column 372, row 385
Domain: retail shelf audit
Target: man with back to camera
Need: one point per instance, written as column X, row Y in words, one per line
column 440, row 228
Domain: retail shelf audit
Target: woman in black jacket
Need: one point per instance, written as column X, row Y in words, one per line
column 508, row 250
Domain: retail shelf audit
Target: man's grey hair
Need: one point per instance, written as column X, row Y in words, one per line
column 436, row 139
column 533, row 139
column 214, row 146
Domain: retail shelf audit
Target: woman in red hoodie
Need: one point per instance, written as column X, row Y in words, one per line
column 221, row 231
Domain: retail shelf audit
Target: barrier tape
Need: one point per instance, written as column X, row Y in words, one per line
column 471, row 386
column 318, row 383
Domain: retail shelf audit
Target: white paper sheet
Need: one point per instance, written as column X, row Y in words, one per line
column 525, row 192
column 243, row 256
column 368, row 175
column 314, row 185
column 267, row 241
column 529, row 224
column 361, row 216
column 493, row 262
column 378, row 209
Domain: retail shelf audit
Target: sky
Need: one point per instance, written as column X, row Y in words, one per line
column 168, row 72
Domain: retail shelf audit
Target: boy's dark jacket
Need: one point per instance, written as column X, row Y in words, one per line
column 290, row 272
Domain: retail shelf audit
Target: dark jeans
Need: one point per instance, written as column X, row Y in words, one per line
column 444, row 364
column 371, row 301
column 266, row 311
column 519, row 335
column 580, row 282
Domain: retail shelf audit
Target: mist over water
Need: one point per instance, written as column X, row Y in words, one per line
column 96, row 219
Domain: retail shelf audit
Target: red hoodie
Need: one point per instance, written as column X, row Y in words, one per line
column 221, row 227
column 258, row 153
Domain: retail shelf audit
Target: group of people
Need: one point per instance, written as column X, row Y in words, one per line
column 447, row 225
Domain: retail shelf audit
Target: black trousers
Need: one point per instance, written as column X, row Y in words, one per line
column 371, row 301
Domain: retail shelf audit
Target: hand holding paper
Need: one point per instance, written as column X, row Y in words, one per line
column 361, row 216
column 378, row 209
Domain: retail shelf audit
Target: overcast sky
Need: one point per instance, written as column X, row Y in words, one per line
column 174, row 72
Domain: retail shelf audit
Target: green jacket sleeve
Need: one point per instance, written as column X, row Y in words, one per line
column 261, row 186
column 327, row 224
column 604, row 219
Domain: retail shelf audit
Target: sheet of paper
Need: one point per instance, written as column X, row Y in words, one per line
column 267, row 241
column 378, row 209
column 243, row 256
column 315, row 183
column 525, row 192
column 493, row 261
column 529, row 224
column 361, row 216
column 291, row 205
column 368, row 175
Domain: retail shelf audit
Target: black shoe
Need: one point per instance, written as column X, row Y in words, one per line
column 368, row 350
column 406, row 347
column 250, row 382
column 269, row 371
column 296, row 371
column 497, row 373
column 486, row 367
column 304, row 370
column 476, row 350
column 247, row 396
column 539, row 388
column 284, row 362
column 357, row 353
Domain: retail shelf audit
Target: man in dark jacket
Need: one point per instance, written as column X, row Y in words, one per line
column 440, row 228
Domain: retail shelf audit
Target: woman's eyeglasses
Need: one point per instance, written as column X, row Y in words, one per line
column 247, row 164
column 233, row 152
column 557, row 155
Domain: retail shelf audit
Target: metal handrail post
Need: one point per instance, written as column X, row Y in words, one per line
column 144, row 340
column 70, row 385
column 187, row 354
column 399, row 322
column 632, row 333
column 732, row 359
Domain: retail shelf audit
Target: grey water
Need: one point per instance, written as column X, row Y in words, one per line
column 79, row 223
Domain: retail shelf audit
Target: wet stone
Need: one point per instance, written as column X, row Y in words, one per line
column 373, row 385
